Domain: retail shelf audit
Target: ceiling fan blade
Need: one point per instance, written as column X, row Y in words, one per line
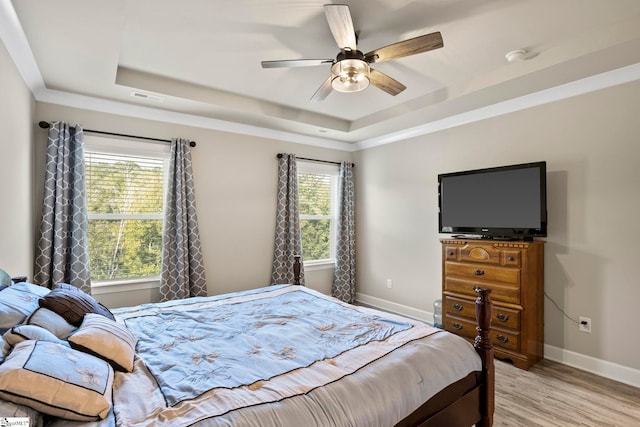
column 323, row 91
column 295, row 63
column 386, row 83
column 412, row 46
column 341, row 25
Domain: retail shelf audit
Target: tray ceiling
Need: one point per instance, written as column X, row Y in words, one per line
column 198, row 61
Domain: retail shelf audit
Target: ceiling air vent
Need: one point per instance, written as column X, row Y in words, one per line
column 147, row 96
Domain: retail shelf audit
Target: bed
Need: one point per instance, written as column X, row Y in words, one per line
column 282, row 355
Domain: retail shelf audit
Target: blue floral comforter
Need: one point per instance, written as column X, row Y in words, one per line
column 200, row 345
column 279, row 356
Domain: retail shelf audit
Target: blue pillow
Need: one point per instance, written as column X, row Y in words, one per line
column 5, row 279
column 52, row 322
column 17, row 302
column 30, row 332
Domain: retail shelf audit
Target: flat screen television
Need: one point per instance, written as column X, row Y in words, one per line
column 506, row 202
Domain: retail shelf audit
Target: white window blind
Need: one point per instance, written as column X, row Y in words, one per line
column 317, row 197
column 125, row 203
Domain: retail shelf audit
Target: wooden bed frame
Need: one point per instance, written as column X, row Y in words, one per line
column 468, row 401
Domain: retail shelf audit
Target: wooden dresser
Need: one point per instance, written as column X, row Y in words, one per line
column 514, row 271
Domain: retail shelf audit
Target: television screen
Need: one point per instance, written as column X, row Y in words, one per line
column 500, row 202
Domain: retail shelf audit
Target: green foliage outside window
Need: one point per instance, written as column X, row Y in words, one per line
column 315, row 239
column 125, row 202
column 314, row 198
column 314, row 194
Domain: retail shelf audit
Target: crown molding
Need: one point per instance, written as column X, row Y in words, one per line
column 16, row 43
column 589, row 84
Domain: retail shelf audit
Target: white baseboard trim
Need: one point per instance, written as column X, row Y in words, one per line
column 603, row 368
column 385, row 305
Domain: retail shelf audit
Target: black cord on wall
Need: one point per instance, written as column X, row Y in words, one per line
column 561, row 310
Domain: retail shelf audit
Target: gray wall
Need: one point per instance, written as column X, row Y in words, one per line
column 16, row 201
column 236, row 178
column 592, row 147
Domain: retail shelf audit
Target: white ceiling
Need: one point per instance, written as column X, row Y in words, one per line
column 202, row 57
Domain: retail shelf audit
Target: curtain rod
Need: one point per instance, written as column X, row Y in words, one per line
column 314, row 160
column 47, row 125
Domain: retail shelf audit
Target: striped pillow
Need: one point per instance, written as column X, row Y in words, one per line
column 107, row 340
column 72, row 303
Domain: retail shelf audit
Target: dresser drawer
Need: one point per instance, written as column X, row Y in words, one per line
column 480, row 253
column 509, row 340
column 510, row 258
column 483, row 272
column 460, row 307
column 463, row 327
column 484, row 254
column 505, row 318
column 450, row 253
column 499, row 291
column 501, row 317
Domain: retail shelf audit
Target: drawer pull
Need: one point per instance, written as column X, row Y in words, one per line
column 457, row 307
column 479, row 272
column 457, row 326
column 502, row 317
column 450, row 254
column 510, row 258
column 502, row 339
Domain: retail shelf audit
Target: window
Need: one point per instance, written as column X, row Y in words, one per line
column 318, row 199
column 125, row 183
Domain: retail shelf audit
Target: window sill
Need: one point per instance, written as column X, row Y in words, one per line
column 124, row 285
column 319, row 265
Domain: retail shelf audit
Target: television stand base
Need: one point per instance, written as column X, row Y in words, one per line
column 487, row 237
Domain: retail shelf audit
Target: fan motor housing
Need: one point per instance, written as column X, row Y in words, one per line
column 350, row 54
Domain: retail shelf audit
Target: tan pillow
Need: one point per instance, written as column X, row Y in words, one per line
column 57, row 380
column 106, row 339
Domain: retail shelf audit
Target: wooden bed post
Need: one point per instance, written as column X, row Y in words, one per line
column 484, row 348
column 296, row 269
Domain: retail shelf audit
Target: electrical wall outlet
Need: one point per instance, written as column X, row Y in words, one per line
column 389, row 283
column 584, row 324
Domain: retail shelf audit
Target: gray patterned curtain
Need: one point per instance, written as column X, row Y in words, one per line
column 182, row 273
column 344, row 276
column 63, row 247
column 288, row 240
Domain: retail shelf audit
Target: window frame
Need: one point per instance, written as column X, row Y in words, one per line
column 332, row 170
column 128, row 147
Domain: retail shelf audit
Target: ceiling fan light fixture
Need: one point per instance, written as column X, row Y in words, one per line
column 350, row 75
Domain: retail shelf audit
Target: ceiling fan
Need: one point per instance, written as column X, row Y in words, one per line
column 350, row 71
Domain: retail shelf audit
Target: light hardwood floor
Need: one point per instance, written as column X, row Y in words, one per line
column 552, row 394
